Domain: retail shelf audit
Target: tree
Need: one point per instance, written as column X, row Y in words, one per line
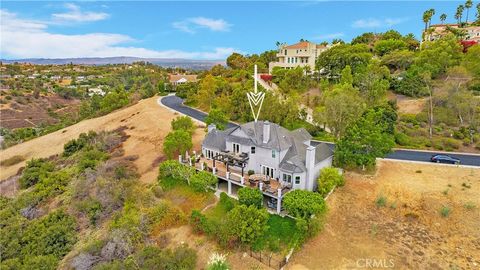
column 443, row 18
column 177, row 142
column 391, row 34
column 374, row 82
column 248, row 223
column 329, row 178
column 471, row 61
column 334, row 60
column 436, row 56
column 250, row 196
column 218, row 118
column 459, row 13
column 383, row 47
column 427, row 16
column 183, row 123
column 203, row 181
column 206, row 92
column 304, row 204
column 468, row 5
column 365, row 38
column 398, row 60
column 478, row 13
column 237, row 61
column 342, row 106
column 364, row 141
column 346, row 78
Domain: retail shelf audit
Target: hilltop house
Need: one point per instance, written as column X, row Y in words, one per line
column 290, row 157
column 436, row 31
column 302, row 54
column 177, row 79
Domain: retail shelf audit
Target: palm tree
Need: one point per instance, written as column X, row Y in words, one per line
column 478, row 13
column 443, row 18
column 431, row 13
column 426, row 18
column 468, row 5
column 459, row 13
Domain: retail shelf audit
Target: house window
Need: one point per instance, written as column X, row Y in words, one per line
column 273, row 153
column 287, row 178
column 297, row 180
column 252, row 150
column 236, row 148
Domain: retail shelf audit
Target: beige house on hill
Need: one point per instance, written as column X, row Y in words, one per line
column 436, row 31
column 301, row 54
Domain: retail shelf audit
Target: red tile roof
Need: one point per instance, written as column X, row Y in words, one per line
column 300, row 45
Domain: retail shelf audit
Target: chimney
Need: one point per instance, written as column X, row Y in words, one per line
column 310, row 165
column 266, row 132
column 211, row 127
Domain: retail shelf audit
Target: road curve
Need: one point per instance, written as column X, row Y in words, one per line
column 175, row 103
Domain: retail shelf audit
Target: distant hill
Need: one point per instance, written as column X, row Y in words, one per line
column 164, row 62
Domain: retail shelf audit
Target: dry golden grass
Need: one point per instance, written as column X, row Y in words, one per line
column 409, row 229
column 147, row 123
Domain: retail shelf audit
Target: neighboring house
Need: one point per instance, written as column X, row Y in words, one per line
column 176, row 79
column 436, row 31
column 96, row 91
column 302, row 54
column 290, row 157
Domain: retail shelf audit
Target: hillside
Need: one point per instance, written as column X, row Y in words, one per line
column 147, row 124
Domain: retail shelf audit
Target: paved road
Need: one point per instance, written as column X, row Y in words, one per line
column 176, row 103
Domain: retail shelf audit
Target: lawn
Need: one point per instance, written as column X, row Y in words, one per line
column 282, row 234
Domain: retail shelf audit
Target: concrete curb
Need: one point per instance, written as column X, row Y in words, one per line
column 437, row 152
column 431, row 163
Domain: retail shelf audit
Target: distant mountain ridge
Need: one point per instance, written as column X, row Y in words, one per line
column 164, row 62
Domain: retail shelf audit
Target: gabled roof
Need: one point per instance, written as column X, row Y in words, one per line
column 299, row 45
column 295, row 142
column 182, row 78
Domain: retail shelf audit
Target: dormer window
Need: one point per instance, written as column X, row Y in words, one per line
column 252, row 150
column 273, row 153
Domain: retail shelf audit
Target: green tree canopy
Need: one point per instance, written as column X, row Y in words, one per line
column 328, row 179
column 334, row 60
column 364, row 141
column 248, row 223
column 250, row 196
column 177, row 142
column 217, row 117
column 303, row 204
column 183, row 123
column 202, row 181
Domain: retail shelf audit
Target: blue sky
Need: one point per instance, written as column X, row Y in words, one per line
column 195, row 30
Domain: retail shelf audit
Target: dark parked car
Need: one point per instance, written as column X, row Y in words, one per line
column 444, row 159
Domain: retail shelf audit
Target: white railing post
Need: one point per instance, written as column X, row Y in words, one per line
column 229, row 188
column 227, row 175
column 242, row 180
column 214, row 170
column 279, row 201
column 260, row 185
column 180, row 158
column 201, row 166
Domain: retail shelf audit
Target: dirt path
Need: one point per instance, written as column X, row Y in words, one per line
column 409, row 232
column 147, row 123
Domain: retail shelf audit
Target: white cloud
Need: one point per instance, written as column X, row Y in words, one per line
column 75, row 14
column 23, row 38
column 377, row 23
column 329, row 36
column 190, row 25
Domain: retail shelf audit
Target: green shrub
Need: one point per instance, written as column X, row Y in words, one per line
column 183, row 123
column 329, row 178
column 445, row 211
column 226, row 201
column 450, row 144
column 381, row 201
column 34, row 171
column 199, row 222
column 250, row 196
column 91, row 158
column 402, row 139
column 203, row 181
column 173, row 169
